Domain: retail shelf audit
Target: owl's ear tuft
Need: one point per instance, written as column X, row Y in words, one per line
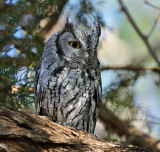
column 96, row 32
column 68, row 21
column 96, row 29
column 68, row 24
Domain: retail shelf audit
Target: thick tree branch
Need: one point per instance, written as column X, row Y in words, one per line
column 25, row 132
column 52, row 19
column 141, row 35
column 122, row 128
column 131, row 68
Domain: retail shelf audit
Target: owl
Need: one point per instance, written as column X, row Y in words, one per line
column 67, row 80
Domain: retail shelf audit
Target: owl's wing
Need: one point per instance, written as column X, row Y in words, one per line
column 97, row 99
column 48, row 66
column 37, row 89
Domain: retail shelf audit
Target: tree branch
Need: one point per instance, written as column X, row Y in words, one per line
column 122, row 128
column 154, row 25
column 141, row 35
column 156, row 7
column 25, row 132
column 131, row 68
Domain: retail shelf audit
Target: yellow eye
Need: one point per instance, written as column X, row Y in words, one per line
column 75, row 44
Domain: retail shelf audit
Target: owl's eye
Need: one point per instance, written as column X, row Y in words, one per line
column 75, row 44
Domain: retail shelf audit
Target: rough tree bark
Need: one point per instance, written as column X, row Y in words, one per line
column 21, row 132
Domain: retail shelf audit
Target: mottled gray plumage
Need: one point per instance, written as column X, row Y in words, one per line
column 67, row 81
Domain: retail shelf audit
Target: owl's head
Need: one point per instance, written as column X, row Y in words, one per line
column 75, row 44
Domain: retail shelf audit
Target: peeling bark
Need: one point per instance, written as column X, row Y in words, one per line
column 21, row 132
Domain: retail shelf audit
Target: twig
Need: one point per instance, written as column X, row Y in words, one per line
column 141, row 35
column 131, row 68
column 154, row 25
column 148, row 3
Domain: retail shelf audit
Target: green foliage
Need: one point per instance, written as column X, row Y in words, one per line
column 44, row 4
column 16, row 88
column 118, row 96
column 7, row 80
column 16, row 91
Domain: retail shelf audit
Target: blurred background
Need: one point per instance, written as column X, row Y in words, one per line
column 129, row 53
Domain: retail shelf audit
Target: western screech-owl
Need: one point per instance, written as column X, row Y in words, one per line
column 67, row 81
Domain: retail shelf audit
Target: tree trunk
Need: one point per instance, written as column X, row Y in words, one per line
column 31, row 133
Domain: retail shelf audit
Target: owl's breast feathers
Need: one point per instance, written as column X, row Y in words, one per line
column 68, row 96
